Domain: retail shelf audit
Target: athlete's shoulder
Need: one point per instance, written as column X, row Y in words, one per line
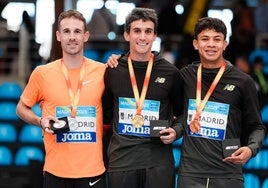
column 48, row 67
column 94, row 62
column 95, row 65
column 189, row 68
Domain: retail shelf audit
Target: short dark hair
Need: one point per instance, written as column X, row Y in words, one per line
column 71, row 13
column 210, row 23
column 141, row 13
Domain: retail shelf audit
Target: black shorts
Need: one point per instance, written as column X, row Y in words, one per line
column 154, row 177
column 194, row 182
column 51, row 181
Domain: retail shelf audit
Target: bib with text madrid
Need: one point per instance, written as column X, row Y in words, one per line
column 213, row 120
column 127, row 111
column 86, row 129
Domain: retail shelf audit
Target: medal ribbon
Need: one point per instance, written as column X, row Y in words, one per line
column 140, row 100
column 74, row 98
column 200, row 106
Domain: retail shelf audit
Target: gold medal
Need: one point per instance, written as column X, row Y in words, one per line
column 137, row 121
column 195, row 126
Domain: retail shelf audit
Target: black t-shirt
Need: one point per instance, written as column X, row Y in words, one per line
column 134, row 151
column 202, row 157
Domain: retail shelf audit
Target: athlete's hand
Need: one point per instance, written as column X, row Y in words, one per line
column 167, row 135
column 46, row 125
column 112, row 61
column 240, row 156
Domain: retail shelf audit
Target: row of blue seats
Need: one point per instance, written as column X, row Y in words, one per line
column 259, row 162
column 27, row 134
column 18, row 146
column 22, row 157
column 253, row 181
column 10, row 90
column 8, row 111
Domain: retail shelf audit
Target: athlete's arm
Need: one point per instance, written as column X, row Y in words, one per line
column 112, row 61
column 26, row 114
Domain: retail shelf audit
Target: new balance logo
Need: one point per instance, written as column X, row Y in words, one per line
column 160, row 80
column 229, row 87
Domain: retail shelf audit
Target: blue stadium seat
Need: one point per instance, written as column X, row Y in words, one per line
column 265, row 183
column 265, row 143
column 37, row 110
column 25, row 154
column 264, row 158
column 255, row 162
column 10, row 90
column 251, row 180
column 5, row 156
column 92, row 54
column 30, row 133
column 264, row 114
column 8, row 111
column 8, row 132
column 249, row 164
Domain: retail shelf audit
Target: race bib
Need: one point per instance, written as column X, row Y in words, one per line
column 213, row 120
column 127, row 111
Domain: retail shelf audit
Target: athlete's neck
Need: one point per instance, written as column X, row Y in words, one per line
column 211, row 64
column 140, row 57
column 72, row 63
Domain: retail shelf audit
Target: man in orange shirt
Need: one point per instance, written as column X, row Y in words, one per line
column 69, row 88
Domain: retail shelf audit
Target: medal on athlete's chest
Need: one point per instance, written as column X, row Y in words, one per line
column 74, row 97
column 138, row 120
column 195, row 124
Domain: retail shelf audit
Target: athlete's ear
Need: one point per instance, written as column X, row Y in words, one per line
column 58, row 36
column 195, row 44
column 86, row 36
column 225, row 45
column 126, row 36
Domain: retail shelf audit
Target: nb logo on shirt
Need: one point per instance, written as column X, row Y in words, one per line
column 160, row 80
column 229, row 87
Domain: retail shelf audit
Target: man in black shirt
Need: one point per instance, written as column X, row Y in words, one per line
column 222, row 122
column 144, row 87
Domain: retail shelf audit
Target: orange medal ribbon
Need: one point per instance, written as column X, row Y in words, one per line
column 195, row 125
column 140, row 99
column 74, row 98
